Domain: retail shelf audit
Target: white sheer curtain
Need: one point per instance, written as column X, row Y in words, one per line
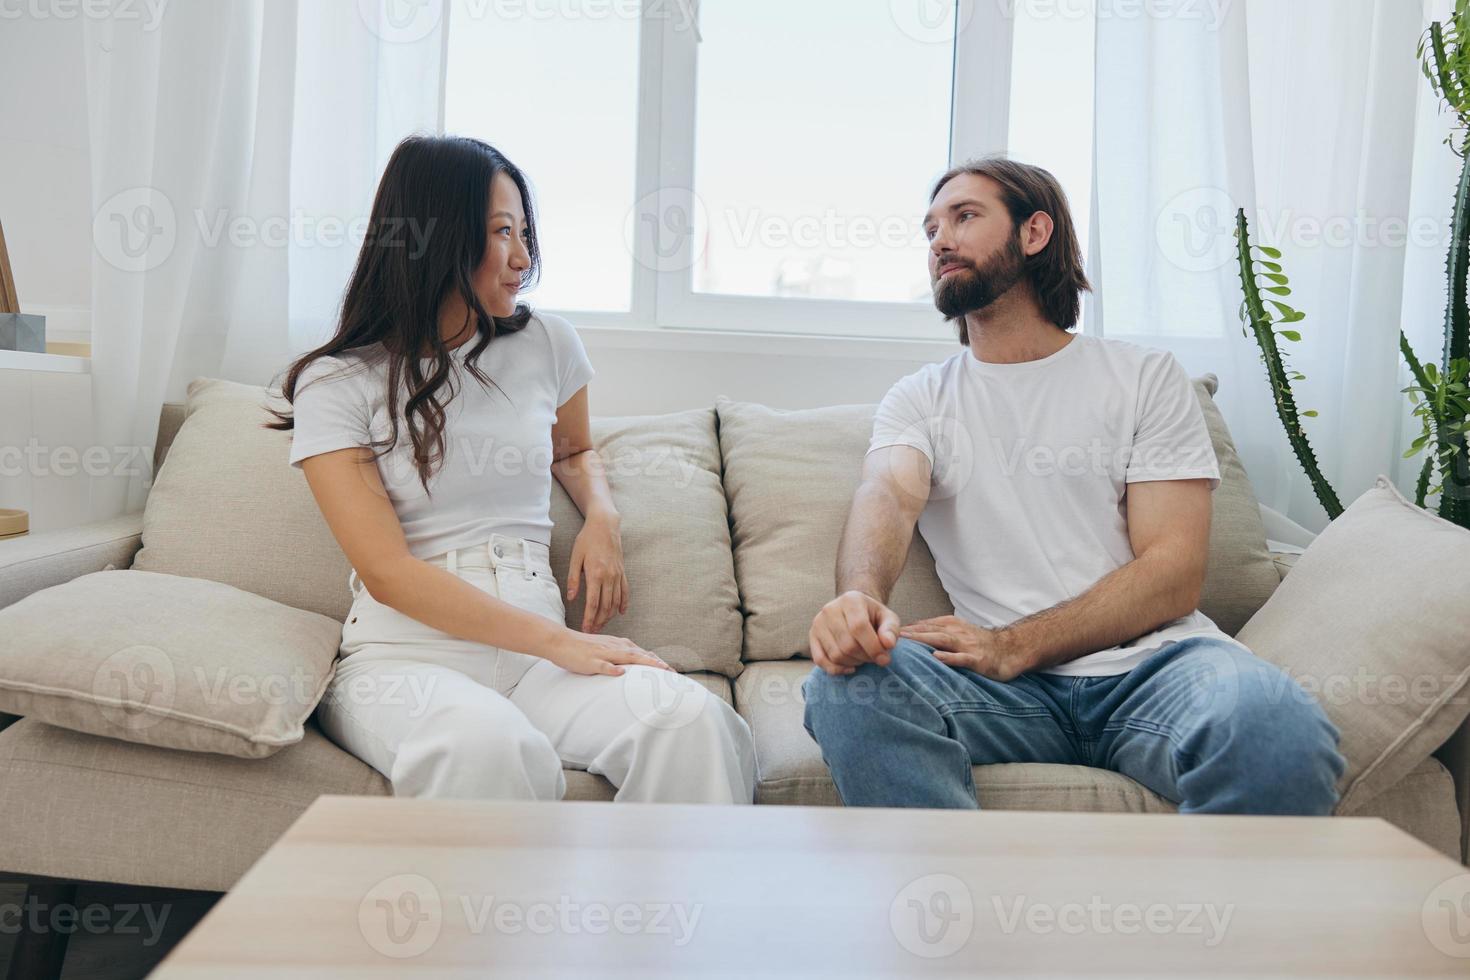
column 1303, row 114
column 234, row 147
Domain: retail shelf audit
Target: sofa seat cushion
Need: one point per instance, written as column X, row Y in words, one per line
column 87, row 807
column 791, row 771
column 95, row 808
column 790, row 479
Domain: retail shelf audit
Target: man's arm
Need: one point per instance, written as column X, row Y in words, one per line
column 857, row 625
column 1169, row 529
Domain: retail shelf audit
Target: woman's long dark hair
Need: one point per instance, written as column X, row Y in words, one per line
column 426, row 236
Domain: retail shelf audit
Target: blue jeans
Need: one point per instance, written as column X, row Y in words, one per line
column 1202, row 723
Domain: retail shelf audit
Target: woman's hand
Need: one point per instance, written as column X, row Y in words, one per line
column 587, row 653
column 597, row 555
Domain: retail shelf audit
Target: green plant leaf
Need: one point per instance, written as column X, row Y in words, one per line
column 1279, row 290
column 1275, row 253
column 1291, row 335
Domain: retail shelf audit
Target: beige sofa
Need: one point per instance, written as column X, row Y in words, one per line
column 731, row 517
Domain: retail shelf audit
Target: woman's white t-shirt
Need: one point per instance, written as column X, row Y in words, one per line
column 496, row 472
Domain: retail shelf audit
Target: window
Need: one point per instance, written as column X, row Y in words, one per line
column 570, row 122
column 811, row 170
column 751, row 165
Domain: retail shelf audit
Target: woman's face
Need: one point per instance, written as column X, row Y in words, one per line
column 497, row 281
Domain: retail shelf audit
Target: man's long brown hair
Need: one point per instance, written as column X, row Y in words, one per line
column 1056, row 272
column 426, row 236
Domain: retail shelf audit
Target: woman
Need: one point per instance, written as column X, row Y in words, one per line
column 429, row 428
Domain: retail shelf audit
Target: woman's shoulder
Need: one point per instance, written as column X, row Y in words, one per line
column 356, row 368
column 558, row 328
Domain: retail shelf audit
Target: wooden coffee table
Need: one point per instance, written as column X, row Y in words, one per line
column 373, row 887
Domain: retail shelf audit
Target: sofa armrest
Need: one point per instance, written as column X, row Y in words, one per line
column 39, row 561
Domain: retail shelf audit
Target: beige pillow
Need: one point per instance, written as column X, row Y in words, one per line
column 162, row 660
column 790, row 477
column 227, row 506
column 1374, row 622
column 664, row 472
column 1242, row 574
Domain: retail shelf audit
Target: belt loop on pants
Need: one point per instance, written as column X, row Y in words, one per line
column 451, row 558
column 526, row 559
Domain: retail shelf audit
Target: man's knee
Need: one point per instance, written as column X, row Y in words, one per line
column 1274, row 728
column 852, row 702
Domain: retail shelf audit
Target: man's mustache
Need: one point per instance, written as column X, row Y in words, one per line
column 954, row 260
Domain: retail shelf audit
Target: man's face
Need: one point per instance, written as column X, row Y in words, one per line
column 975, row 254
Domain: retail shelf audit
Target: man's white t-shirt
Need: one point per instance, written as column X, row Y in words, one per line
column 1031, row 462
column 496, row 473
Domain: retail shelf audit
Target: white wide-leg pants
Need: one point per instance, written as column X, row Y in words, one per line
column 440, row 716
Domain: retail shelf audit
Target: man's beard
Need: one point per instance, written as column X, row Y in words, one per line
column 977, row 287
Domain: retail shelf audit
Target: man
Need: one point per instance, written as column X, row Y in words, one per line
column 1063, row 484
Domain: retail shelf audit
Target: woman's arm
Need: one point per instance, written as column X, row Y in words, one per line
column 598, row 551
column 351, row 496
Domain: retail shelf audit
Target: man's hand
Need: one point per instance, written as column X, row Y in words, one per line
column 853, row 629
column 960, row 644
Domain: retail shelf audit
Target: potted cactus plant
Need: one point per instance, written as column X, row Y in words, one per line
column 1439, row 392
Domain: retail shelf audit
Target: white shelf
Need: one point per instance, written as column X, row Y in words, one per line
column 15, row 360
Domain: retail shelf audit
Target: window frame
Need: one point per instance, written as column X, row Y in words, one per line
column 663, row 297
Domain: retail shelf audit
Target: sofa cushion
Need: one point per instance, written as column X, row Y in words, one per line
column 664, row 472
column 1374, row 622
column 164, row 660
column 1241, row 574
column 227, row 506
column 790, row 478
column 791, row 771
column 86, row 807
column 80, row 806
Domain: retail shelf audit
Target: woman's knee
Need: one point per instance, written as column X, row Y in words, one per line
column 499, row 748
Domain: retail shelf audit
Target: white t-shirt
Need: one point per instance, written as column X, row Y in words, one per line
column 496, row 472
column 1030, row 465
